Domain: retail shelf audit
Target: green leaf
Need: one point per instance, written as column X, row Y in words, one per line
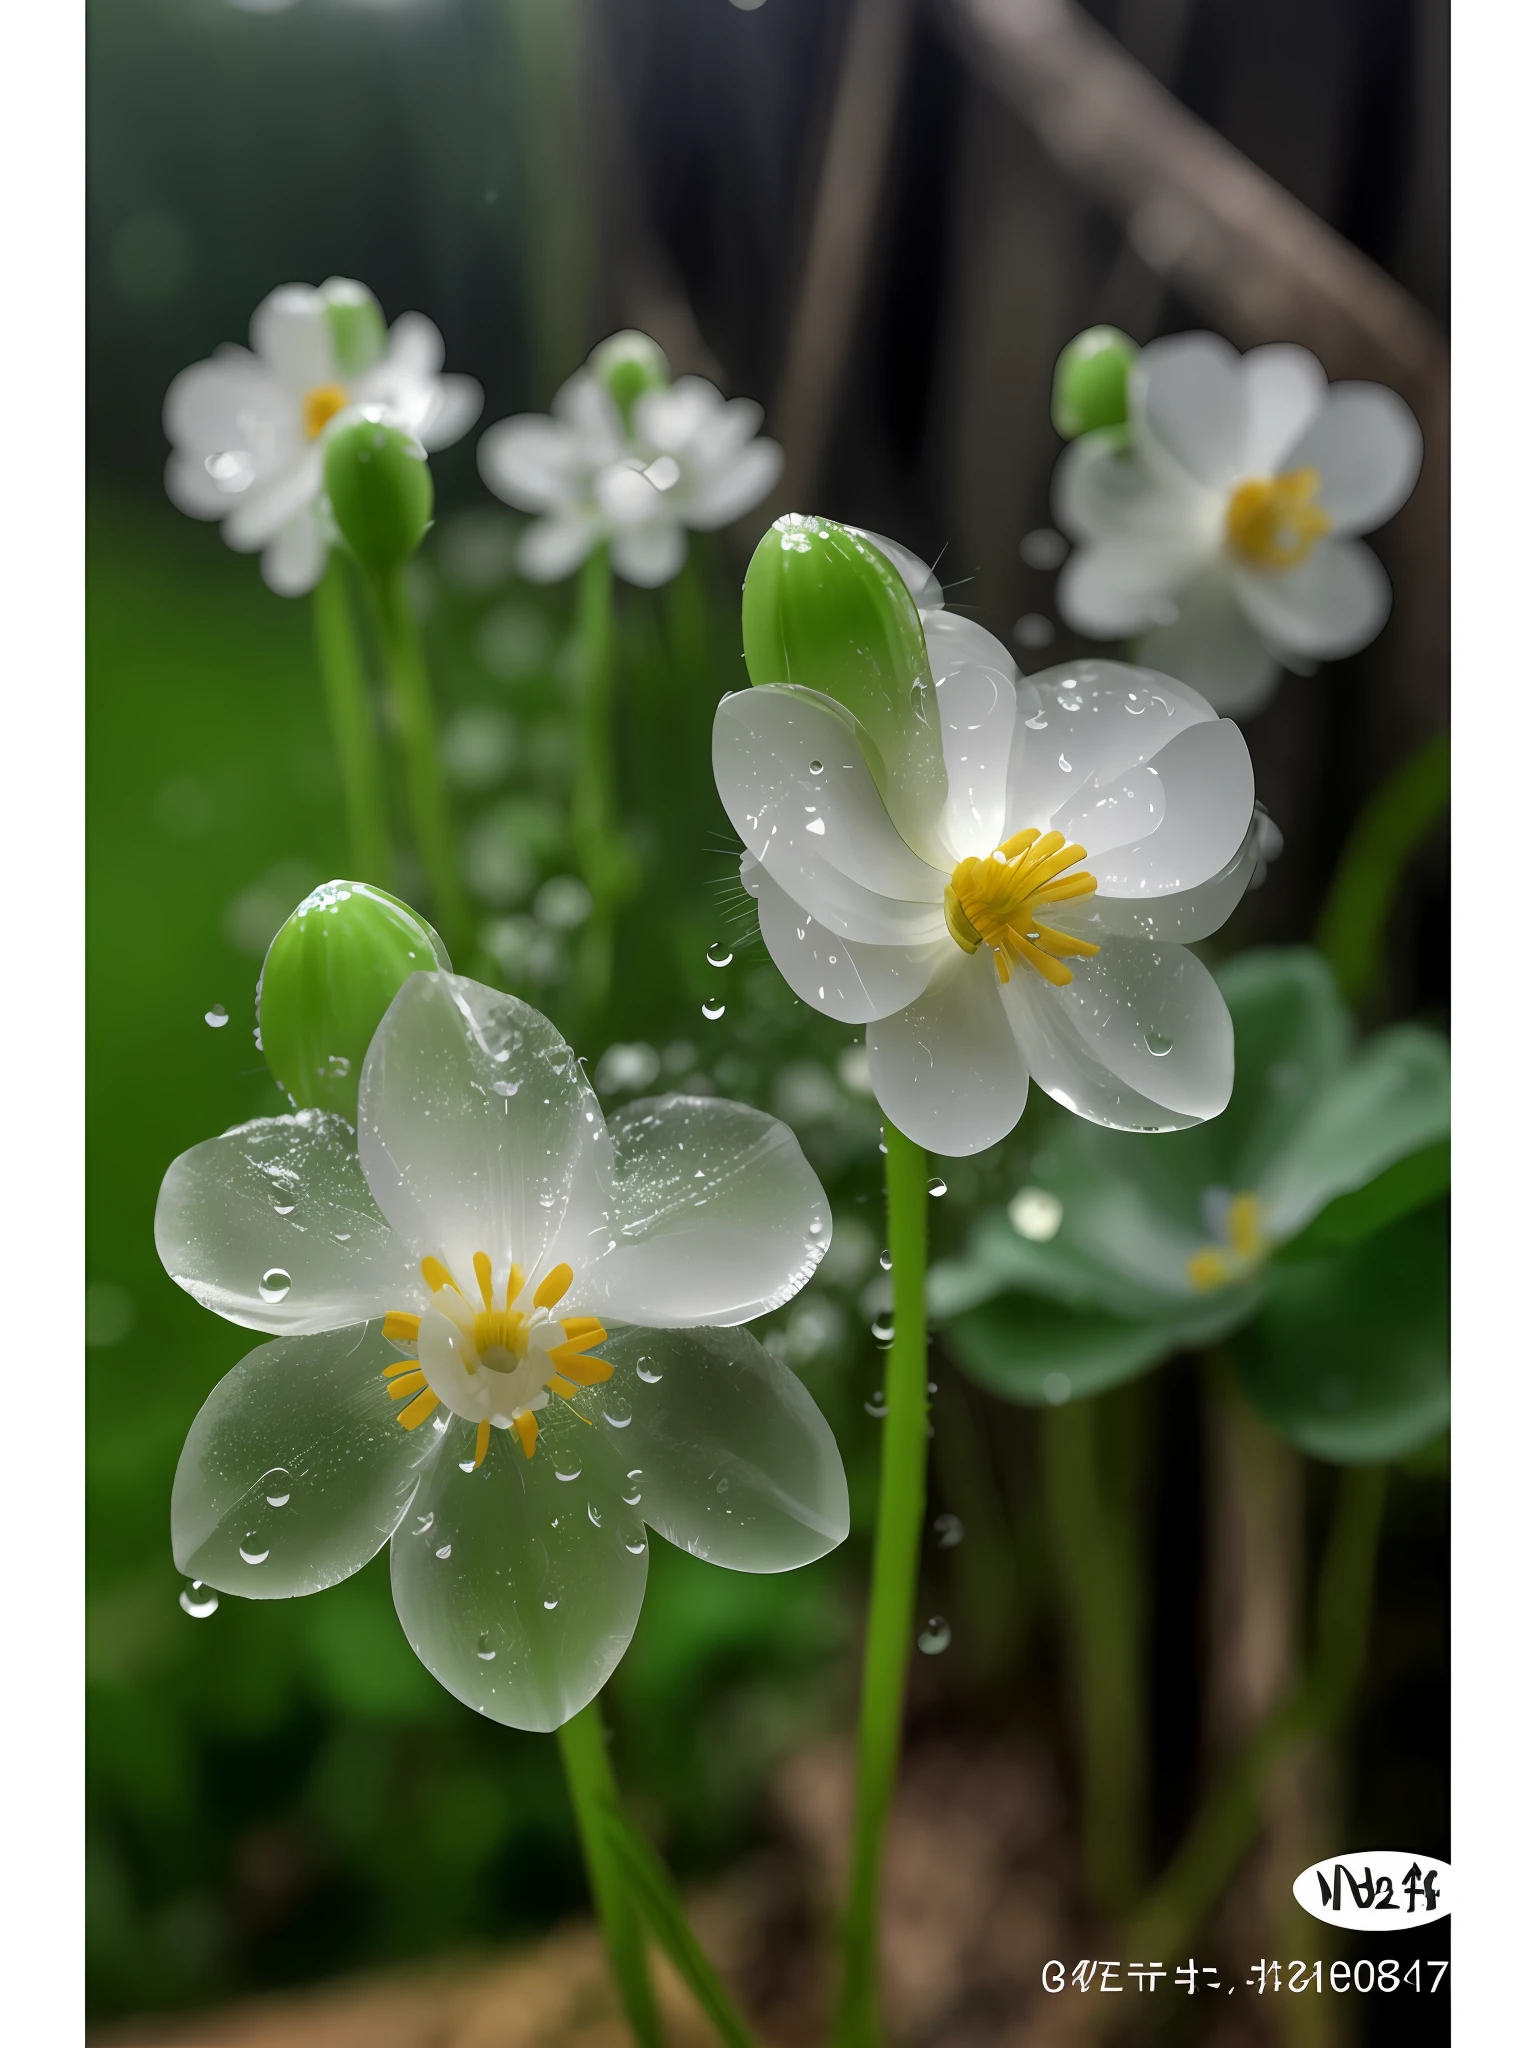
column 1291, row 1037
column 1404, row 1187
column 1350, row 1358
column 1370, row 869
column 1015, row 1346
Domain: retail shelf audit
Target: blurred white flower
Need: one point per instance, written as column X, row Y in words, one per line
column 1219, row 525
column 973, row 940
column 685, row 457
column 246, row 426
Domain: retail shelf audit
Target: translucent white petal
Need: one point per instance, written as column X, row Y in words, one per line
column 473, row 1123
column 732, row 1459
column 275, row 498
column 671, row 419
column 977, row 709
column 231, row 404
column 585, row 405
column 1186, row 915
column 1214, row 647
column 519, row 1585
column 553, row 547
column 272, row 1225
column 946, row 1070
column 454, row 407
column 954, row 641
column 926, row 590
column 1086, row 718
column 649, row 555
column 296, row 1469
column 721, row 434
column 1334, row 603
column 1104, row 491
column 1197, row 792
column 192, row 490
column 1187, row 395
column 715, row 1216
column 796, row 786
column 1114, row 587
column 733, row 486
column 1366, row 447
column 291, row 334
column 293, row 561
column 1148, row 1017
column 1284, row 387
column 626, row 496
column 532, row 462
column 415, row 348
column 840, row 977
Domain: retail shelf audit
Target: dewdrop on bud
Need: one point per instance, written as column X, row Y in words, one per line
column 1089, row 387
column 380, row 491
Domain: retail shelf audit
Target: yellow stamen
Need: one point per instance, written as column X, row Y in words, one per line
column 1243, row 1226
column 482, row 1443
column 321, row 404
column 587, row 1372
column 418, row 1411
column 996, row 902
column 527, row 1426
column 408, row 1383
column 514, row 1284
column 562, row 1387
column 483, row 1275
column 401, row 1365
column 552, row 1286
column 1221, row 1265
column 437, row 1276
column 1272, row 522
column 1207, row 1269
column 400, row 1327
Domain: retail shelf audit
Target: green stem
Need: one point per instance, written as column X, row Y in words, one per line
column 410, row 691
column 353, row 732
column 1351, row 928
column 1093, row 1535
column 600, row 851
column 589, row 1777
column 1229, row 1821
column 893, row 1590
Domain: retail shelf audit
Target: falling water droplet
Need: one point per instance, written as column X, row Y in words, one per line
column 1157, row 1044
column 647, row 1372
column 950, row 1530
column 252, row 1549
column 882, row 1329
column 934, row 1639
column 885, row 1262
column 713, row 1011
column 275, row 1284
column 277, row 1485
column 617, row 1412
column 218, row 1016
column 484, row 1651
column 937, row 1187
column 720, row 954
column 198, row 1600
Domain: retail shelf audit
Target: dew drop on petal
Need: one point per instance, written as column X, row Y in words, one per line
column 593, row 1516
column 816, row 768
column 1158, row 1044
column 275, row 1284
column 446, row 1551
column 647, row 1372
column 283, row 1208
column 882, row 1329
column 713, row 1011
column 218, row 1016
column 198, row 1600
column 617, row 1412
column 885, row 1262
column 937, row 1187
column 876, row 1407
column 252, row 1549
column 505, row 1087
column 466, row 1464
column 277, row 1485
column 561, row 1473
column 935, row 1638
column 720, row 954
column 551, row 1604
column 636, row 1549
column 484, row 1651
column 950, row 1530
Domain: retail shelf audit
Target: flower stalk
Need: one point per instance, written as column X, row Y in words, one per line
column 893, row 1588
column 353, row 731
column 589, row 1778
column 601, row 854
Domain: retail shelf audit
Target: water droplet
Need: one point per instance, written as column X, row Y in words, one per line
column 937, row 1187
column 1157, row 1044
column 338, row 1066
column 1035, row 1214
column 950, row 1530
column 277, row 1485
column 424, row 1523
column 935, row 1638
column 885, row 1262
column 505, row 1087
column 484, row 1651
column 1063, row 764
column 275, row 1284
column 1038, row 723
column 1057, row 1389
column 720, row 954
column 817, row 768
column 647, row 1372
column 551, row 1604
column 713, row 1011
column 252, row 1549
column 593, row 1516
column 198, row 1600
column 636, row 1549
column 617, row 1412
column 466, row 1464
column 882, row 1329
column 218, row 1016
column 283, row 1208
column 876, row 1407
column 446, row 1551
column 561, row 1473
column 632, row 1498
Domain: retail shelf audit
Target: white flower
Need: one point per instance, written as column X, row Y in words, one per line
column 687, row 458
column 940, row 896
column 485, row 1243
column 246, row 426
column 1219, row 526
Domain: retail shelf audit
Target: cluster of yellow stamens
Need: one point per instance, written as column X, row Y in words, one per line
column 996, row 902
column 497, row 1339
column 321, row 405
column 1272, row 522
column 1218, row 1265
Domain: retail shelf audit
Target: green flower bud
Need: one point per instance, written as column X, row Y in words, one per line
column 1089, row 388
column 630, row 364
column 823, row 608
column 353, row 315
column 380, row 489
column 329, row 976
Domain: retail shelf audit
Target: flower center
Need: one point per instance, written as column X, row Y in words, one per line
column 1272, row 522
column 322, row 404
column 496, row 1364
column 1242, row 1247
column 996, row 901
